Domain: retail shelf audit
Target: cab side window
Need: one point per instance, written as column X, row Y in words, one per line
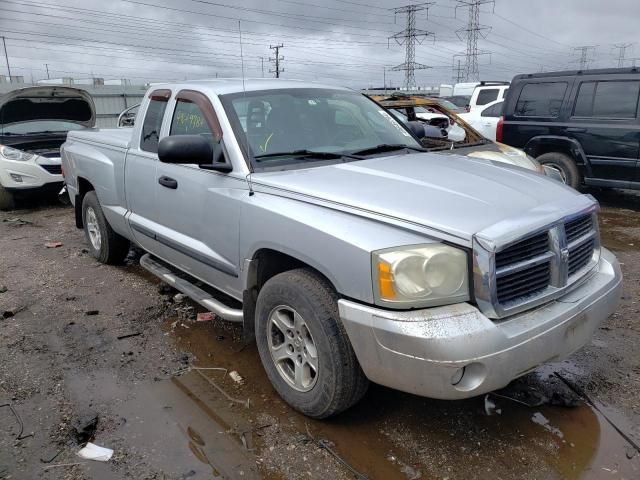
column 493, row 111
column 614, row 99
column 150, row 135
column 487, row 95
column 194, row 115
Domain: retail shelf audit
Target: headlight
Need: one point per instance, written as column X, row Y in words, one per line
column 15, row 154
column 421, row 276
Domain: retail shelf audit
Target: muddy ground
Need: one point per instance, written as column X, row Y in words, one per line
column 92, row 352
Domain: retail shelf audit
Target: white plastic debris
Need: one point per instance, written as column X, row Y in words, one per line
column 236, row 377
column 95, row 452
column 179, row 297
column 490, row 407
column 539, row 419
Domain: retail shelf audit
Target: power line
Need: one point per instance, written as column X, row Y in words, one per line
column 408, row 37
column 276, row 60
column 6, row 57
column 471, row 33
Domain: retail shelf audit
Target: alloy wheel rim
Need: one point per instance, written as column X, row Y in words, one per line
column 292, row 348
column 93, row 229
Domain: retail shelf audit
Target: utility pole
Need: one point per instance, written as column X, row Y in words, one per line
column 46, row 66
column 622, row 50
column 408, row 37
column 276, row 60
column 584, row 55
column 262, row 65
column 471, row 33
column 6, row 57
column 459, row 74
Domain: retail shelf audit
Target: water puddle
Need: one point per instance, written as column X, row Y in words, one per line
column 620, row 229
column 392, row 435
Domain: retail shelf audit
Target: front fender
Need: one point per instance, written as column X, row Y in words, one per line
column 336, row 244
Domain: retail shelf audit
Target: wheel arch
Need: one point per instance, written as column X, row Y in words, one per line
column 84, row 186
column 540, row 145
column 264, row 264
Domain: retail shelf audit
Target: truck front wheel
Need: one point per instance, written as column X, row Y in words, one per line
column 105, row 244
column 303, row 346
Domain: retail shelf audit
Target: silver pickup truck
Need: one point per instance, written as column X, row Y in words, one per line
column 310, row 214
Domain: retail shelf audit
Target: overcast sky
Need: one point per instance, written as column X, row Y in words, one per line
column 336, row 41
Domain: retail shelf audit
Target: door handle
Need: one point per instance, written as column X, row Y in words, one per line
column 576, row 130
column 168, row 182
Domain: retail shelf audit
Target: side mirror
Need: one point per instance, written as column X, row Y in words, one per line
column 417, row 128
column 185, row 149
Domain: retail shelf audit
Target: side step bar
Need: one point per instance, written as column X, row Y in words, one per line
column 189, row 289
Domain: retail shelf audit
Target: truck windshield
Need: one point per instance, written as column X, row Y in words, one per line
column 278, row 124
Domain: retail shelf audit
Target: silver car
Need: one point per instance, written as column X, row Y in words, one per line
column 348, row 252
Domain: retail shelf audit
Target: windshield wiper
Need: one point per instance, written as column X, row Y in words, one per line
column 304, row 153
column 387, row 147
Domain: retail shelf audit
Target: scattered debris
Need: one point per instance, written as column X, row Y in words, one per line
column 217, row 387
column 3, row 289
column 63, row 465
column 164, row 289
column 128, row 335
column 17, row 222
column 53, row 244
column 327, row 445
column 490, row 407
column 205, row 317
column 630, row 452
column 20, row 435
column 92, row 312
column 95, row 452
column 51, row 459
column 236, row 377
column 179, row 297
column 85, row 428
column 12, row 312
column 539, row 419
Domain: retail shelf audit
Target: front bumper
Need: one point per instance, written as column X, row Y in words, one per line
column 455, row 352
column 31, row 174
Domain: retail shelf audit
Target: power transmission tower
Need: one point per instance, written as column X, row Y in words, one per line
column 622, row 50
column 584, row 59
column 276, row 60
column 471, row 33
column 408, row 37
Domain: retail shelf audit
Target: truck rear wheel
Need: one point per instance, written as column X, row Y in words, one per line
column 565, row 165
column 303, row 346
column 7, row 201
column 105, row 244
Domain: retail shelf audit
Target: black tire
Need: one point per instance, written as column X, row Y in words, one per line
column 113, row 248
column 565, row 165
column 7, row 200
column 340, row 382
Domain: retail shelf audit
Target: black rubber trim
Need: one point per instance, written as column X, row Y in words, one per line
column 189, row 252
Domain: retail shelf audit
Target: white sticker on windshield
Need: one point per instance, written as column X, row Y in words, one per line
column 394, row 123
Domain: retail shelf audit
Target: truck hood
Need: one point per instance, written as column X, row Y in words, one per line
column 47, row 103
column 460, row 196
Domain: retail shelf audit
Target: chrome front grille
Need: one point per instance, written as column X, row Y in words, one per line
column 536, row 268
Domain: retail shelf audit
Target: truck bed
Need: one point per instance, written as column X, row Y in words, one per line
column 113, row 137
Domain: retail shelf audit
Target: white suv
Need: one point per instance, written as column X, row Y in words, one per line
column 487, row 92
column 34, row 122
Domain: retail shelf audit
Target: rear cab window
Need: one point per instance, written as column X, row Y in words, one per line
column 616, row 99
column 150, row 132
column 493, row 110
column 541, row 99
